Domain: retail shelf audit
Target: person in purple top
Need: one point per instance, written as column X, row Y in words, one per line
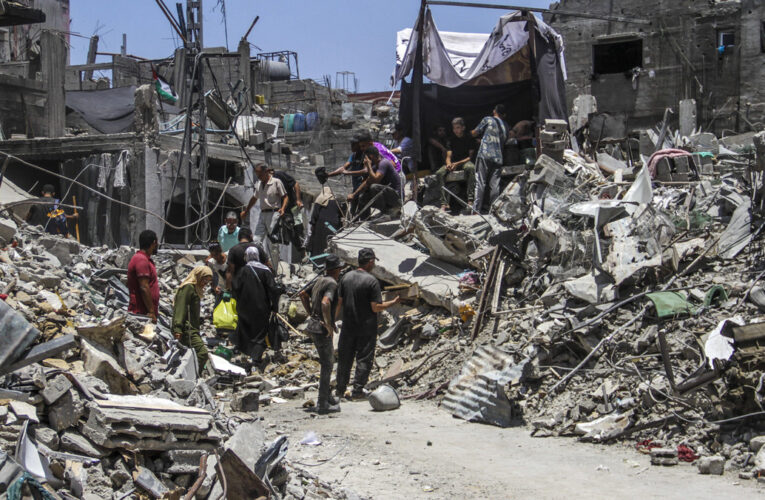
column 382, row 187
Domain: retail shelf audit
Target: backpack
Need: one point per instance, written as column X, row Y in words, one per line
column 510, row 153
column 289, row 185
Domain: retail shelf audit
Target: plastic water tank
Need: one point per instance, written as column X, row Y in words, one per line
column 312, row 120
column 298, row 123
column 288, row 123
column 275, row 70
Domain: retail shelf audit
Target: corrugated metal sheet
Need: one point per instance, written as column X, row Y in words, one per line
column 477, row 393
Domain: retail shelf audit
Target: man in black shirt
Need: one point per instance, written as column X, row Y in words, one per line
column 236, row 256
column 460, row 153
column 360, row 301
column 321, row 305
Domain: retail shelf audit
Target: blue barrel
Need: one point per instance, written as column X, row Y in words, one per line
column 311, row 120
column 298, row 124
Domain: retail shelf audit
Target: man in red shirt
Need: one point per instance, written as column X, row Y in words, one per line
column 142, row 279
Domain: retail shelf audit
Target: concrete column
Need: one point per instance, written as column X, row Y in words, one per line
column 153, row 190
column 687, row 117
column 53, row 57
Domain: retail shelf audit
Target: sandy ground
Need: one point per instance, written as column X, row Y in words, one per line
column 420, row 451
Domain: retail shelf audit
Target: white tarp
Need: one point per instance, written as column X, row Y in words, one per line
column 452, row 59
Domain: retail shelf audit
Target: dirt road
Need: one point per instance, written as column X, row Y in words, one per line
column 420, row 451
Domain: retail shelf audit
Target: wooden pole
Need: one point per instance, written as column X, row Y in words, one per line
column 76, row 220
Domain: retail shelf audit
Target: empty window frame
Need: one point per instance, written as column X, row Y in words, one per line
column 726, row 38
column 617, row 57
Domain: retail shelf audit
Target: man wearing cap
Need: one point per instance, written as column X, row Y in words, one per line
column 228, row 234
column 360, row 299
column 321, row 304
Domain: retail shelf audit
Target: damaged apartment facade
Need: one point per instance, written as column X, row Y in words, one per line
column 668, row 51
column 101, row 126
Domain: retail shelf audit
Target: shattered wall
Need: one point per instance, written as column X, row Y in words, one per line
column 678, row 56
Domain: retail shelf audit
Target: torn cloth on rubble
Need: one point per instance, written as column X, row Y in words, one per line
column 669, row 304
column 664, row 153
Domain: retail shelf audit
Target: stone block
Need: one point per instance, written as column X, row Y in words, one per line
column 183, row 461
column 245, row 401
column 47, row 436
column 714, row 465
column 63, row 248
column 55, row 388
column 66, row 411
column 756, row 443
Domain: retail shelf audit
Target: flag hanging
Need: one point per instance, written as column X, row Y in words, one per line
column 164, row 89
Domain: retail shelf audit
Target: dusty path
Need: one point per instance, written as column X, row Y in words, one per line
column 387, row 455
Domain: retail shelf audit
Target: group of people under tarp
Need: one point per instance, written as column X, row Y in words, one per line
column 480, row 153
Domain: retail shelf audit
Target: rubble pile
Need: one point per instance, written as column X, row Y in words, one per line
column 612, row 303
column 97, row 403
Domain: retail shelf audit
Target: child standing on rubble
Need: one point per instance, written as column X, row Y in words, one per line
column 186, row 322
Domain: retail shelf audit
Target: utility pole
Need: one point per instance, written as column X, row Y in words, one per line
column 194, row 83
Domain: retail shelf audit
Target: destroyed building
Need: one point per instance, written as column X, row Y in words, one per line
column 611, row 297
column 639, row 58
column 102, row 124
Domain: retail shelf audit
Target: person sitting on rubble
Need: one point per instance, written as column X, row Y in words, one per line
column 523, row 133
column 382, row 187
column 459, row 156
column 437, row 147
column 320, row 302
column 405, row 151
column 354, row 166
column 228, row 234
column 257, row 297
column 273, row 201
column 216, row 261
column 186, row 311
column 360, row 299
column 50, row 216
column 142, row 281
column 365, row 141
column 493, row 132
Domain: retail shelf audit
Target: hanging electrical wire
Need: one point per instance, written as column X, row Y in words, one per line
column 119, row 202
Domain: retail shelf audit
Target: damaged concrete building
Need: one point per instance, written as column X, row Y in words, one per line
column 101, row 125
column 662, row 52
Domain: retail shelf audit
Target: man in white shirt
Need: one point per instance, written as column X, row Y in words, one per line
column 273, row 200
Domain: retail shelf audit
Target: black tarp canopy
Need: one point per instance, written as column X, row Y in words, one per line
column 471, row 73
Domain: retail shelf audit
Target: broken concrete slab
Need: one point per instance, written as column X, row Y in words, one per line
column 149, row 423
column 400, row 264
column 183, row 461
column 40, row 352
column 8, row 230
column 62, row 248
column 449, row 238
column 76, row 443
column 18, row 335
column 47, row 436
column 24, row 411
column 100, row 363
column 106, row 334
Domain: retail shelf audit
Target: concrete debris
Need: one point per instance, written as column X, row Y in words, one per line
column 714, row 465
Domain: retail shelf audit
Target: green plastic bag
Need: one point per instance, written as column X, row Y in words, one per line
column 224, row 315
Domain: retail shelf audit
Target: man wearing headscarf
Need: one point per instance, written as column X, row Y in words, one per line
column 257, row 297
column 186, row 307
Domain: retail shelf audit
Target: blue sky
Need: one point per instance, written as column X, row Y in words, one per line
column 328, row 35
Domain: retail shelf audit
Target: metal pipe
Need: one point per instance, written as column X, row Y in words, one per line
column 569, row 13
